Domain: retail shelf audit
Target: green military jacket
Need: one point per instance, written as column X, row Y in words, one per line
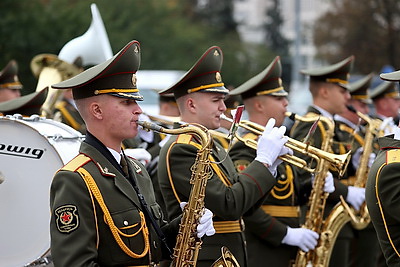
column 382, row 197
column 80, row 234
column 267, row 226
column 228, row 195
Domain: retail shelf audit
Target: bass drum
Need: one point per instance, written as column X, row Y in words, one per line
column 31, row 151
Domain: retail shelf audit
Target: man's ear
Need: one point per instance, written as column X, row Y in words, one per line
column 324, row 91
column 191, row 105
column 96, row 110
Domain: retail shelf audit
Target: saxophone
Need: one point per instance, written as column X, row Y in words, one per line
column 187, row 245
column 329, row 228
column 360, row 219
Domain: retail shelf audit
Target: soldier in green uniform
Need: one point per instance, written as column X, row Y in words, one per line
column 350, row 130
column 200, row 96
column 103, row 209
column 330, row 96
column 26, row 105
column 272, row 231
column 10, row 86
column 386, row 103
column 382, row 191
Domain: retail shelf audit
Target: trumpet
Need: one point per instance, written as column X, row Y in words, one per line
column 338, row 161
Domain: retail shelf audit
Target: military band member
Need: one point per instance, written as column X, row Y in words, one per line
column 382, row 191
column 272, row 231
column 330, row 96
column 386, row 102
column 200, row 96
column 103, row 209
column 10, row 86
column 26, row 105
column 350, row 130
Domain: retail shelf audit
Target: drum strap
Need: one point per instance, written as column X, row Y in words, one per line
column 117, row 233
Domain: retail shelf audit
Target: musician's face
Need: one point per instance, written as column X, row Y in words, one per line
column 208, row 108
column 8, row 94
column 274, row 107
column 120, row 116
column 339, row 97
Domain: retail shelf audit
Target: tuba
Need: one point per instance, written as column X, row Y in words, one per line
column 187, row 245
column 329, row 228
column 92, row 47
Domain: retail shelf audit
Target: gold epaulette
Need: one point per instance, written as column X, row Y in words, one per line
column 184, row 139
column 393, row 156
column 76, row 163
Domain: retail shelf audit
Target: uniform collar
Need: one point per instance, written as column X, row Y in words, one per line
column 388, row 142
column 323, row 112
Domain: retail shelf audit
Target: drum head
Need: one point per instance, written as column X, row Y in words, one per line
column 28, row 161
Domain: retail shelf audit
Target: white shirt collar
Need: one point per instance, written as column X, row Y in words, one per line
column 324, row 112
column 344, row 120
column 115, row 154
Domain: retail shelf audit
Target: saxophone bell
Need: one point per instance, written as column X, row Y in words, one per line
column 226, row 260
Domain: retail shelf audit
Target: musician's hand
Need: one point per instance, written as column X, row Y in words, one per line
column 355, row 196
column 303, row 238
column 205, row 226
column 270, row 145
column 355, row 158
column 329, row 185
column 396, row 132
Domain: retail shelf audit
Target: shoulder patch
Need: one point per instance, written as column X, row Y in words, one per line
column 393, row 156
column 241, row 165
column 76, row 163
column 184, row 138
column 67, row 218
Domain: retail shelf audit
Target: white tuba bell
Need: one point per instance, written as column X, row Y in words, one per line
column 93, row 47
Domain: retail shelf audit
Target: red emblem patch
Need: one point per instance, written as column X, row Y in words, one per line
column 67, row 219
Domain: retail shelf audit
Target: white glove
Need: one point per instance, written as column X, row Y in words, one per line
column 270, row 145
column 355, row 158
column 147, row 136
column 205, row 226
column 140, row 154
column 303, row 238
column 355, row 196
column 371, row 159
column 396, row 132
column 329, row 185
column 387, row 126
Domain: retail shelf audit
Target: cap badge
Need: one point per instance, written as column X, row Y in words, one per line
column 136, row 50
column 134, row 80
column 280, row 82
column 216, row 53
column 218, row 77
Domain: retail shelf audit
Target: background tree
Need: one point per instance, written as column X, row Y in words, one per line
column 275, row 41
column 173, row 33
column 367, row 29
